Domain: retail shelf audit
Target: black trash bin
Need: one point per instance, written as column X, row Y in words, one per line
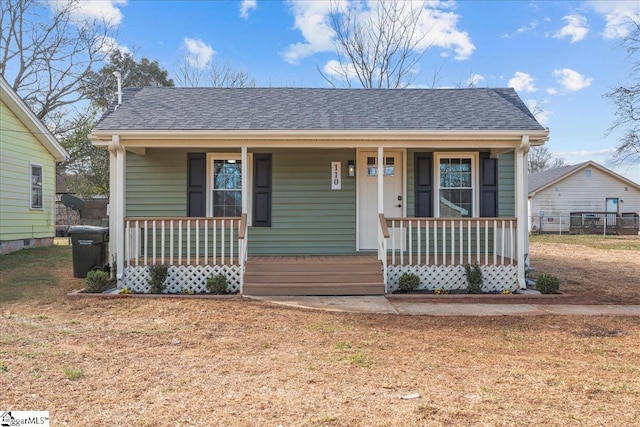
column 90, row 248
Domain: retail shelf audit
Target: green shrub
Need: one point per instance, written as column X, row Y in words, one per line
column 96, row 281
column 474, row 278
column 408, row 282
column 547, row 284
column 157, row 277
column 217, row 284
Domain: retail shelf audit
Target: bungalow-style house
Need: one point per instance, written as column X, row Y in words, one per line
column 583, row 198
column 28, row 156
column 319, row 191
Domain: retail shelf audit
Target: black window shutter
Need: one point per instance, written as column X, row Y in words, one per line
column 423, row 164
column 488, row 186
column 262, row 190
column 196, row 184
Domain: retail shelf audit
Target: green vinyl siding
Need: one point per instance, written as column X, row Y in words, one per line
column 506, row 185
column 307, row 216
column 156, row 183
column 18, row 150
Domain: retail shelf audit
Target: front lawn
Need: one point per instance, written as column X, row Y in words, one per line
column 157, row 362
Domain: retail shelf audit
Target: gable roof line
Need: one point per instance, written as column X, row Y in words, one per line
column 577, row 168
column 31, row 122
column 318, row 109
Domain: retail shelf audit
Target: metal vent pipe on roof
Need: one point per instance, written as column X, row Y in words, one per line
column 119, row 80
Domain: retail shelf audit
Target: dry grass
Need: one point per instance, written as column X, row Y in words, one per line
column 593, row 269
column 157, row 362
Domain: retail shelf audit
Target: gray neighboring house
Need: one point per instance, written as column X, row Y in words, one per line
column 318, row 191
column 598, row 198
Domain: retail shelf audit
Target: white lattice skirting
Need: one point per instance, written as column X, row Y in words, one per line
column 182, row 278
column 451, row 277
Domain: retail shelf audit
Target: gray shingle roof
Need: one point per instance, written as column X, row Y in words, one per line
column 540, row 179
column 165, row 108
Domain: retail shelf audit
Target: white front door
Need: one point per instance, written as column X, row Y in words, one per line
column 367, row 169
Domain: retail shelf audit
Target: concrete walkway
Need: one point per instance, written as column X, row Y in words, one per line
column 379, row 304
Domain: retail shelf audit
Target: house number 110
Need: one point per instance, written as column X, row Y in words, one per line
column 336, row 175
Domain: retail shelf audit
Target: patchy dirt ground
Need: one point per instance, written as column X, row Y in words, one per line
column 159, row 362
column 591, row 270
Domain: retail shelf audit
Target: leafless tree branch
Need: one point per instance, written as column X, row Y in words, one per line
column 378, row 48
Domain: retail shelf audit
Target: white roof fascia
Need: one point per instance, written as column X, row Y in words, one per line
column 351, row 138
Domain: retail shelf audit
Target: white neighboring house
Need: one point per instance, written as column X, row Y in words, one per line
column 586, row 188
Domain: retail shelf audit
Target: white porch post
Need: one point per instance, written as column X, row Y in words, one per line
column 244, row 167
column 116, row 200
column 380, row 180
column 521, row 208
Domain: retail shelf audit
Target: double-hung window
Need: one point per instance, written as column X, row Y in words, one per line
column 226, row 187
column 36, row 187
column 456, row 180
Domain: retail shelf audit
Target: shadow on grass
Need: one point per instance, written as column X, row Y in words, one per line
column 38, row 274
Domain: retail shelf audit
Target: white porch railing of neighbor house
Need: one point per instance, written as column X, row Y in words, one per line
column 437, row 249
column 194, row 248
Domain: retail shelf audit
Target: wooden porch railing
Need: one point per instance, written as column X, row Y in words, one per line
column 185, row 240
column 449, row 241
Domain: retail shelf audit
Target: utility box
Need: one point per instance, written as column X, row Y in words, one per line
column 90, row 248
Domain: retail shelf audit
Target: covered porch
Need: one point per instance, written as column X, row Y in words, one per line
column 436, row 249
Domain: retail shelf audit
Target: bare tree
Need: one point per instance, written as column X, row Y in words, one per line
column 540, row 159
column 378, row 49
column 213, row 75
column 627, row 102
column 45, row 53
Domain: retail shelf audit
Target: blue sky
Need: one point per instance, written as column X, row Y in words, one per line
column 562, row 55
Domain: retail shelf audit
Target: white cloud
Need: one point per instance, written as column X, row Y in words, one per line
column 333, row 69
column 109, row 44
column 522, row 82
column 586, row 153
column 532, row 26
column 618, row 14
column 437, row 27
column 84, row 10
column 576, row 28
column 475, row 79
column 246, row 6
column 551, row 91
column 524, row 29
column 199, row 53
column 536, row 107
column 311, row 18
column 572, row 80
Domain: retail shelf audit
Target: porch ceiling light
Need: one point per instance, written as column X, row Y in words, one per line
column 351, row 168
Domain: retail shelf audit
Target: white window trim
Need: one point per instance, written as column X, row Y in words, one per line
column 211, row 157
column 475, row 178
column 31, row 166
